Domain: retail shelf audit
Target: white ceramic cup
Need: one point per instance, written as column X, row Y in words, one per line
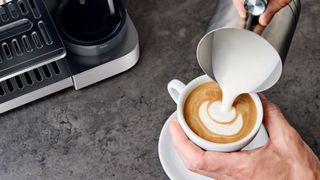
column 179, row 92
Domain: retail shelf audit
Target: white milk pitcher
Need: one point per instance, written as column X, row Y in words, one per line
column 237, row 71
column 243, row 56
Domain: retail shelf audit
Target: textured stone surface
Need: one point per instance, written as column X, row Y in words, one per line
column 110, row 130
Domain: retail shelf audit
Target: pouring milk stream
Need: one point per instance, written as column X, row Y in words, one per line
column 240, row 68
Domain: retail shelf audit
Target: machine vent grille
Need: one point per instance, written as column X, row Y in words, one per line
column 28, row 38
column 30, row 78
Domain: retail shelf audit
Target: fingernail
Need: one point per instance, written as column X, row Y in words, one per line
column 243, row 14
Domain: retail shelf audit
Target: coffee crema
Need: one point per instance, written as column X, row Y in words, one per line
column 200, row 113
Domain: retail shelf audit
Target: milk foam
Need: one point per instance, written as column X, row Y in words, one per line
column 216, row 114
column 217, row 122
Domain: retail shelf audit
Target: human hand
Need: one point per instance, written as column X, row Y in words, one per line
column 273, row 7
column 285, row 156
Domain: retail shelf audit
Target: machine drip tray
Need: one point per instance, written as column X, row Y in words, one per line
column 28, row 37
column 34, row 84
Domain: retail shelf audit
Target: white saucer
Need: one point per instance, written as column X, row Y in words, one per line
column 170, row 160
column 173, row 165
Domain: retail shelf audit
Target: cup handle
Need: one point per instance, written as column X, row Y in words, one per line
column 260, row 140
column 175, row 88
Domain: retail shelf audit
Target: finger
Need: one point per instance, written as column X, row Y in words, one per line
column 189, row 152
column 211, row 164
column 266, row 17
column 258, row 29
column 273, row 7
column 229, row 163
column 274, row 120
column 216, row 175
column 239, row 6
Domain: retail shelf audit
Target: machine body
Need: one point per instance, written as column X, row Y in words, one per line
column 78, row 64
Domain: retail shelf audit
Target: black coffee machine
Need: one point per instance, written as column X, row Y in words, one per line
column 50, row 45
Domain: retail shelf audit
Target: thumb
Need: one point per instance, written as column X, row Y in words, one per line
column 239, row 6
column 273, row 7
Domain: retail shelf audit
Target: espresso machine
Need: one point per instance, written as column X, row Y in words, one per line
column 50, row 45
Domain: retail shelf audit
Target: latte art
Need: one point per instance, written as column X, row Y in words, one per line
column 217, row 125
column 202, row 114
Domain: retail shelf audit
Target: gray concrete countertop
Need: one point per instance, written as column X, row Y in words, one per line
column 110, row 130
